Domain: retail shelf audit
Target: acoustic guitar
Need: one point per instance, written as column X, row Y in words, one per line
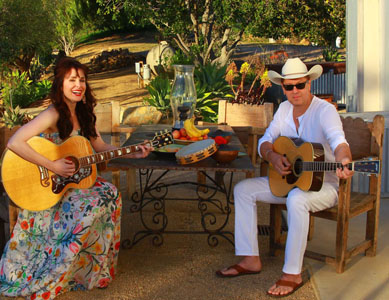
column 36, row 188
column 308, row 166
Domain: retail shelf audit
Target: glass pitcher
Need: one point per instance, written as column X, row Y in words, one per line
column 183, row 96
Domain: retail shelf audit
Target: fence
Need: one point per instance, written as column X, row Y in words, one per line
column 330, row 83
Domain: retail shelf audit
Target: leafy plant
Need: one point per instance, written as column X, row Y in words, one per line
column 23, row 90
column 159, row 90
column 13, row 116
column 179, row 58
column 210, row 84
column 332, row 54
column 18, row 86
column 42, row 89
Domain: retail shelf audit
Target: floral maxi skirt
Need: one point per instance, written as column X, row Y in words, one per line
column 71, row 246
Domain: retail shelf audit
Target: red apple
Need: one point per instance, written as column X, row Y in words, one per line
column 176, row 134
column 183, row 132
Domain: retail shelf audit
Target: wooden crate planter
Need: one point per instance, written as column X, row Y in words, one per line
column 5, row 134
column 245, row 114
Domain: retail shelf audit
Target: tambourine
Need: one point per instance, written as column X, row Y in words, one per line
column 196, row 152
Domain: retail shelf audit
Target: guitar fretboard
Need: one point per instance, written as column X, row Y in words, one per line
column 372, row 166
column 321, row 166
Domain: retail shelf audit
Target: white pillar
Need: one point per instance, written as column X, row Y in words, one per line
column 367, row 66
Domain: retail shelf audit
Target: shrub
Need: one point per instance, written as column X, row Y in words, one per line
column 22, row 89
column 18, row 86
column 210, row 84
column 332, row 54
column 159, row 90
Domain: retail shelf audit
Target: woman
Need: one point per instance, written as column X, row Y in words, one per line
column 73, row 245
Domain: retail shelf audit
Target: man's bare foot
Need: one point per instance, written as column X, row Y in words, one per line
column 287, row 284
column 252, row 264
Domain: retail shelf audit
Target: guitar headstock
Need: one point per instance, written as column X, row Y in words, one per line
column 162, row 138
column 367, row 166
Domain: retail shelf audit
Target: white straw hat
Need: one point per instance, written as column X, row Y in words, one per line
column 295, row 68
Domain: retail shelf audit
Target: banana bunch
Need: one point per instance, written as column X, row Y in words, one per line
column 192, row 130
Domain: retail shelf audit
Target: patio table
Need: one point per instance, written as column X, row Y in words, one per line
column 153, row 195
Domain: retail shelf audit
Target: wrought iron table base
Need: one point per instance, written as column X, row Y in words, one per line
column 153, row 194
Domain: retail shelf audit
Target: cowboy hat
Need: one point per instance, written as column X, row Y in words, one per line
column 295, row 68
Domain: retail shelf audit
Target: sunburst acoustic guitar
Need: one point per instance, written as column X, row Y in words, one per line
column 36, row 188
column 308, row 166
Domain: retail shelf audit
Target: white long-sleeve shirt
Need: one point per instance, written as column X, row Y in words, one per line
column 319, row 124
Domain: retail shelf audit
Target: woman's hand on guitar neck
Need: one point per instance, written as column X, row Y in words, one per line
column 280, row 163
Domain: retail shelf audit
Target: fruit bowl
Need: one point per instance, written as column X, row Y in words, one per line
column 225, row 154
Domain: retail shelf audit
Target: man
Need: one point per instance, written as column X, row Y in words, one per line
column 313, row 120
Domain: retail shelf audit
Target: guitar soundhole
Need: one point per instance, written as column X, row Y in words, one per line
column 298, row 167
column 74, row 160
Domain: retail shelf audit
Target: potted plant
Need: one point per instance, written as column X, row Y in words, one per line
column 13, row 119
column 247, row 107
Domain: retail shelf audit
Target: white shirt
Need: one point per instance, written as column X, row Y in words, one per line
column 319, row 124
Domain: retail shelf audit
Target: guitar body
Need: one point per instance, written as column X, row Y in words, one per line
column 296, row 151
column 35, row 188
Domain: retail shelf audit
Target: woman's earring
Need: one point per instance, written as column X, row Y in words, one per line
column 84, row 100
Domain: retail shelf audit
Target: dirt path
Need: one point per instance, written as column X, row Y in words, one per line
column 119, row 84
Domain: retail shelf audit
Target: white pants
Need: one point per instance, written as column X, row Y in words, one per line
column 299, row 204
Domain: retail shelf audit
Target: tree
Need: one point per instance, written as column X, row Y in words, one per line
column 322, row 21
column 26, row 29
column 67, row 22
column 208, row 30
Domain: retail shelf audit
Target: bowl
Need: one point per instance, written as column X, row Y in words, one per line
column 225, row 134
column 225, row 154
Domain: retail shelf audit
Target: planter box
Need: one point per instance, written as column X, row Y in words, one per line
column 5, row 134
column 245, row 114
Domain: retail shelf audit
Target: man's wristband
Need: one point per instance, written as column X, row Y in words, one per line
column 266, row 153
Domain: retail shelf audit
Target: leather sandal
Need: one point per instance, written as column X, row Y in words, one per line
column 241, row 271
column 295, row 286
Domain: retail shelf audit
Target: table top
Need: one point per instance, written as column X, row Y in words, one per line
column 155, row 161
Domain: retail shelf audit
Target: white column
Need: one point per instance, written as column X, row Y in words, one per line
column 385, row 55
column 367, row 66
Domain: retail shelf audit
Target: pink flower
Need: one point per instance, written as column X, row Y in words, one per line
column 77, row 229
column 74, row 247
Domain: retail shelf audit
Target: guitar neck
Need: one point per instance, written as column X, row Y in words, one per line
column 111, row 154
column 321, row 166
column 368, row 166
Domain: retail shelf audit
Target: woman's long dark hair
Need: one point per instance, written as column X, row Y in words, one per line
column 84, row 111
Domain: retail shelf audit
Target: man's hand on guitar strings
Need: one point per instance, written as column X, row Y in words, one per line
column 280, row 163
column 64, row 167
column 344, row 173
